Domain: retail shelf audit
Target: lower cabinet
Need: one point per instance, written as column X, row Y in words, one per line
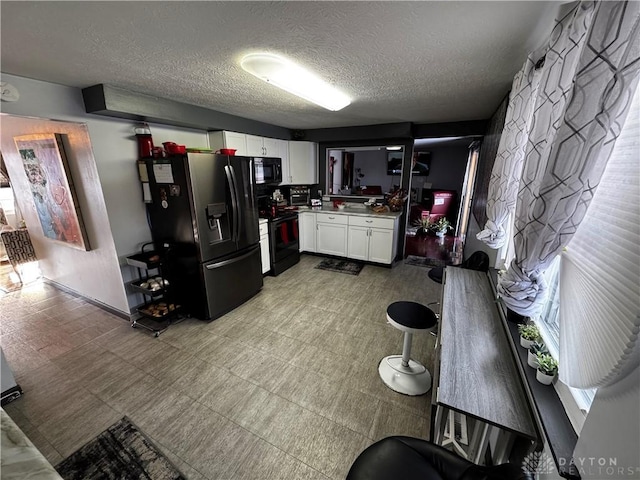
column 264, row 247
column 366, row 238
column 372, row 239
column 331, row 234
column 307, row 231
column 381, row 245
column 358, row 242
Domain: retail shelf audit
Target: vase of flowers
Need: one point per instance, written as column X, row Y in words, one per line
column 441, row 227
column 424, row 226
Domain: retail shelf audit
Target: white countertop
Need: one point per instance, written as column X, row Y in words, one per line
column 20, row 459
column 357, row 211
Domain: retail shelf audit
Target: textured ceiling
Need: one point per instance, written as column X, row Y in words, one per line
column 399, row 61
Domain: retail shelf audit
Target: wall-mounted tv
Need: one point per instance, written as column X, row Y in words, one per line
column 421, row 163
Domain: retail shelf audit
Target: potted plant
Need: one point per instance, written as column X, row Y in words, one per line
column 547, row 368
column 528, row 334
column 424, row 224
column 532, row 356
column 441, row 226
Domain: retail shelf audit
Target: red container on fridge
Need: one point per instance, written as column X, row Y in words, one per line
column 145, row 142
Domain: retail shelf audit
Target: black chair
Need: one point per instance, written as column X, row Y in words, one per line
column 477, row 261
column 407, row 458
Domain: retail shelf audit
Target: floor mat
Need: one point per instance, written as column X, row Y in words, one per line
column 121, row 451
column 342, row 266
column 424, row 262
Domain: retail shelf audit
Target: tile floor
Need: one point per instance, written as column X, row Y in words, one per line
column 284, row 387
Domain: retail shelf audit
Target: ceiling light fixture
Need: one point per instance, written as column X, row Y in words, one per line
column 294, row 79
column 394, row 148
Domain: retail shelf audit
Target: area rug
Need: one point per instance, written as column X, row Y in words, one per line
column 121, row 451
column 342, row 266
column 424, row 262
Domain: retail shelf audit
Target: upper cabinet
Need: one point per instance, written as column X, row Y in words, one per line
column 302, row 167
column 299, row 159
column 218, row 140
column 263, row 146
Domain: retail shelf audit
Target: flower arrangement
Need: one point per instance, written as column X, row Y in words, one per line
column 441, row 226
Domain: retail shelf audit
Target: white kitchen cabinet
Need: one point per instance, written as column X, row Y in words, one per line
column 301, row 166
column 307, row 231
column 358, row 243
column 331, row 234
column 264, row 246
column 263, row 146
column 372, row 239
column 381, row 245
column 225, row 139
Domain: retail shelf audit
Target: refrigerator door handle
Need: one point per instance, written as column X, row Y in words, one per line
column 224, row 263
column 234, row 203
column 237, row 202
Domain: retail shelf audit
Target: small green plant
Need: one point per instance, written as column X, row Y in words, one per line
column 547, row 364
column 424, row 223
column 538, row 347
column 529, row 332
column 441, row 225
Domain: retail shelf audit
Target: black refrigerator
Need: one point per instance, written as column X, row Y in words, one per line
column 204, row 218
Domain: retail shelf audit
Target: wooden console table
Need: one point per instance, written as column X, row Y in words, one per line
column 476, row 382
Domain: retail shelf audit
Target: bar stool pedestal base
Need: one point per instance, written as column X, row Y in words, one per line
column 413, row 379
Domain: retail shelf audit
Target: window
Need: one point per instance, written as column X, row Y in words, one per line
column 549, row 325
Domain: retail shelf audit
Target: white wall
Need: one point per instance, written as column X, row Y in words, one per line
column 448, row 166
column 114, row 152
column 373, row 164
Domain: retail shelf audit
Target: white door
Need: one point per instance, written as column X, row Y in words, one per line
column 303, row 163
column 332, row 239
column 237, row 141
column 381, row 245
column 307, row 231
column 255, row 146
column 264, row 253
column 271, row 148
column 282, row 152
column 358, row 243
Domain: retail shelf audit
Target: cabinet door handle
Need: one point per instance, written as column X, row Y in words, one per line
column 331, row 218
column 369, row 221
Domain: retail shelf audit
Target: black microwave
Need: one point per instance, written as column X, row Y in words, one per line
column 267, row 170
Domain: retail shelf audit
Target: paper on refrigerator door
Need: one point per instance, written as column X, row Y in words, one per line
column 163, row 173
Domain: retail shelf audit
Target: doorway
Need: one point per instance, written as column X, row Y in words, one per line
column 440, row 197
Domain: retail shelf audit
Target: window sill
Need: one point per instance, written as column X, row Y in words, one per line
column 549, row 412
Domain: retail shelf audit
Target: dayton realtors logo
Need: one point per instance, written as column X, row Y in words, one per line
column 539, row 464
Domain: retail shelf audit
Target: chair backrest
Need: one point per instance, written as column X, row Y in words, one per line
column 18, row 246
column 477, row 261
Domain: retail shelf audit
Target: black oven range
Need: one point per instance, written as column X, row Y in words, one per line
column 284, row 246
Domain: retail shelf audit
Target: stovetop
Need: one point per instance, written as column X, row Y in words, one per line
column 282, row 216
column 282, row 213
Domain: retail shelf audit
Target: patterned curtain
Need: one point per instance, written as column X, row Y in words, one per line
column 507, row 169
column 588, row 80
